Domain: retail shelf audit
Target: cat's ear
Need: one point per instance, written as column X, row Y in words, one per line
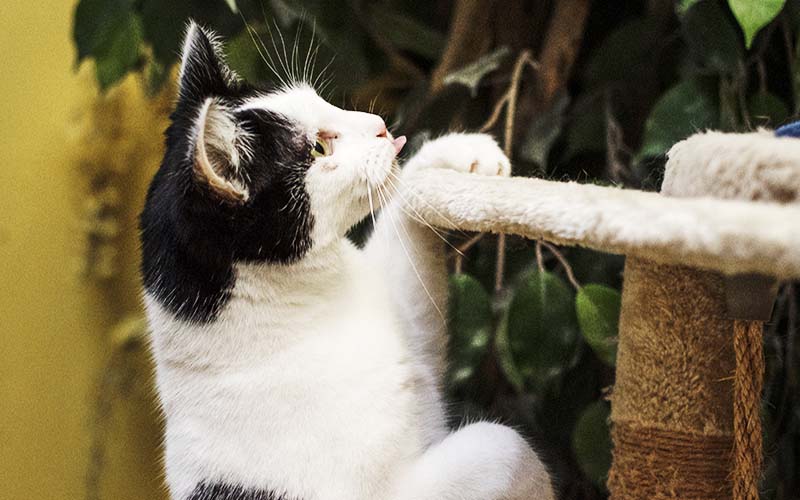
column 203, row 72
column 215, row 154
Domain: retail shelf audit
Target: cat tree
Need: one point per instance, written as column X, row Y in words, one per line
column 703, row 260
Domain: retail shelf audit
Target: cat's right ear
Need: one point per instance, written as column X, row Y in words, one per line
column 203, row 72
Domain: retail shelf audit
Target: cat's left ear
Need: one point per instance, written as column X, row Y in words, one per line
column 203, row 72
column 216, row 157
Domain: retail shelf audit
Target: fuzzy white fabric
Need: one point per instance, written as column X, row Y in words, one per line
column 757, row 166
column 728, row 236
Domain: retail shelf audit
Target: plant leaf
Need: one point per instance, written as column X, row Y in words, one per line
column 685, row 5
column 407, row 33
column 96, row 22
column 232, row 4
column 622, row 51
column 586, row 128
column 767, row 109
column 591, row 442
column 681, row 111
column 543, row 132
column 712, row 38
column 598, row 307
column 164, row 24
column 121, row 52
column 471, row 75
column 542, row 328
column 753, row 15
column 469, row 325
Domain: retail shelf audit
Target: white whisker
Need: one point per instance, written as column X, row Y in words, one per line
column 427, row 203
column 388, row 214
column 418, row 217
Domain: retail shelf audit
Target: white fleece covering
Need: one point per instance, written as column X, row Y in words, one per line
column 756, row 166
column 729, row 236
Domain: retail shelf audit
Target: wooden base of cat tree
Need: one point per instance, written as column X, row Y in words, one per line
column 703, row 257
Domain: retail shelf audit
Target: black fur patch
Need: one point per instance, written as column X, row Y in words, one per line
column 221, row 491
column 190, row 238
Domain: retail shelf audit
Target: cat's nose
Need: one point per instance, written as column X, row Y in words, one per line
column 382, row 132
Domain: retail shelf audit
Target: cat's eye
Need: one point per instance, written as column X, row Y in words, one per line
column 321, row 148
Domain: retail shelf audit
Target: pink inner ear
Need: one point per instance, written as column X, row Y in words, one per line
column 398, row 143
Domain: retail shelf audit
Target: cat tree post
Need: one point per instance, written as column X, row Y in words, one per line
column 685, row 406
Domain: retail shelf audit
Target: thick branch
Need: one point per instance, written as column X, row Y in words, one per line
column 561, row 46
column 468, row 38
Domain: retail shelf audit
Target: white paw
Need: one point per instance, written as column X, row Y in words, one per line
column 474, row 153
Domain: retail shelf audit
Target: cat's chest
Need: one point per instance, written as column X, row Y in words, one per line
column 322, row 395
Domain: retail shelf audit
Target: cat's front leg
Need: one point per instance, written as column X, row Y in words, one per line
column 412, row 253
column 482, row 461
column 412, row 257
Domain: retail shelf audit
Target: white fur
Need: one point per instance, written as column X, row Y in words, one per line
column 321, row 379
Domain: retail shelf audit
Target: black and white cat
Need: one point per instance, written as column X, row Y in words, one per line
column 290, row 364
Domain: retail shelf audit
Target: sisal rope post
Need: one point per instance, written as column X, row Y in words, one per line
column 747, row 386
column 690, row 366
column 672, row 403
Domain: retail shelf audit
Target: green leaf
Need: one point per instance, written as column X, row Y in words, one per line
column 622, row 51
column 591, row 442
column 505, row 357
column 597, row 307
column 543, row 132
column 471, row 75
column 685, row 5
column 405, row 32
column 243, row 57
column 767, row 109
column 96, row 23
column 232, row 4
column 286, row 13
column 753, row 15
column 155, row 76
column 121, row 53
column 164, row 23
column 469, row 325
column 712, row 38
column 542, row 329
column 586, row 130
column 681, row 111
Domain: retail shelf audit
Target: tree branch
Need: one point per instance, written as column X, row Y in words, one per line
column 467, row 39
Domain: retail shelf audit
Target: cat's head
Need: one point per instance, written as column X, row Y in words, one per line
column 263, row 174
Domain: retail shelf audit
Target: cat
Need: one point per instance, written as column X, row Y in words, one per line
column 291, row 365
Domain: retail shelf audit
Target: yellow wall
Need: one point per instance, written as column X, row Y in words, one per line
column 54, row 341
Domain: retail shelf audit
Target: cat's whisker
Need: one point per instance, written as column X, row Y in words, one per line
column 253, row 34
column 322, row 73
column 371, row 206
column 277, row 51
column 285, row 54
column 295, row 50
column 324, row 85
column 388, row 215
column 273, row 65
column 312, row 64
column 423, row 200
column 308, row 52
column 418, row 217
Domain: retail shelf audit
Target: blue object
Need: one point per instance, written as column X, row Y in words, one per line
column 789, row 130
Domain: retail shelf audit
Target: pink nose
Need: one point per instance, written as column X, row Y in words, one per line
column 382, row 131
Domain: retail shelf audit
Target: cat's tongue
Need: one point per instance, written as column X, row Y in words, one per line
column 398, row 143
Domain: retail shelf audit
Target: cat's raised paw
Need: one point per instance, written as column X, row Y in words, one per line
column 473, row 153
